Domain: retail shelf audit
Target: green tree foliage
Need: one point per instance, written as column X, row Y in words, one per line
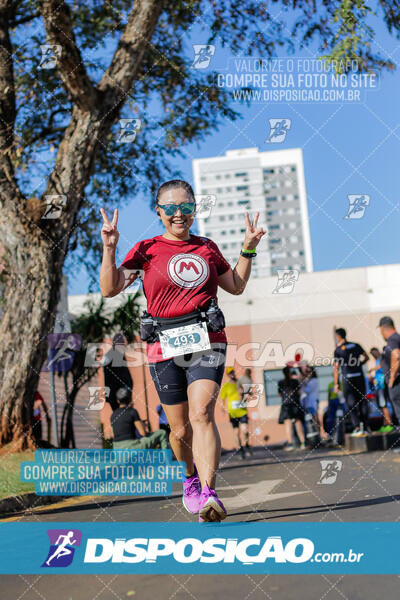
column 175, row 104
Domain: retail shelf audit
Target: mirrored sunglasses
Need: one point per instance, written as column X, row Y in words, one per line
column 186, row 208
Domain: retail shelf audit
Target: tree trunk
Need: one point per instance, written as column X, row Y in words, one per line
column 36, row 247
column 30, row 303
column 36, row 256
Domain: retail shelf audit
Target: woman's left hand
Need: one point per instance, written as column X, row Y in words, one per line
column 253, row 233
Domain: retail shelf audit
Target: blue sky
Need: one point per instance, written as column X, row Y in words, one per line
column 351, row 148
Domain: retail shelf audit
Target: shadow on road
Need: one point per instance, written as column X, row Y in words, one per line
column 310, row 510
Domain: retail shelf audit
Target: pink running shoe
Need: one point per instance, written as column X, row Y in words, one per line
column 191, row 493
column 211, row 508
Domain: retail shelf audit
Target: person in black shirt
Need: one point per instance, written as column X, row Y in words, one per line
column 391, row 362
column 349, row 358
column 125, row 420
column 289, row 390
column 116, row 371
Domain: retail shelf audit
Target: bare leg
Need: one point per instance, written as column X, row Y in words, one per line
column 181, row 434
column 202, row 395
column 386, row 416
column 237, row 437
column 244, row 428
column 288, row 429
column 300, row 430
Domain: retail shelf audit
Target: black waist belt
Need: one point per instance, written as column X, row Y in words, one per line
column 152, row 326
column 196, row 316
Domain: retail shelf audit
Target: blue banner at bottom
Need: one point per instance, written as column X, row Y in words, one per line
column 99, row 548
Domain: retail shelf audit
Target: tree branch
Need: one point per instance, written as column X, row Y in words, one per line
column 57, row 21
column 23, row 20
column 125, row 64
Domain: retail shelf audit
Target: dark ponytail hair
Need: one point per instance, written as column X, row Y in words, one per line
column 173, row 185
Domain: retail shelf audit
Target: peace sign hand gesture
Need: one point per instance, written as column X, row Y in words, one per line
column 109, row 231
column 253, row 233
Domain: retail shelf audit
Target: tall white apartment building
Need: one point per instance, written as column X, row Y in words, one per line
column 269, row 182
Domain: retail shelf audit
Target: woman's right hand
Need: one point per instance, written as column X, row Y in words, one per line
column 109, row 231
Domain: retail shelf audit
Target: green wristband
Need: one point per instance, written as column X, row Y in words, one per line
column 248, row 251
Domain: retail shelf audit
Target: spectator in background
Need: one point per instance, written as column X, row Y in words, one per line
column 334, row 402
column 116, row 372
column 381, row 391
column 232, row 403
column 162, row 419
column 289, row 391
column 349, row 358
column 310, row 394
column 126, row 424
column 391, row 362
column 38, row 405
column 244, row 386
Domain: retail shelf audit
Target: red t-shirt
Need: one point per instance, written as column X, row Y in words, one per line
column 179, row 277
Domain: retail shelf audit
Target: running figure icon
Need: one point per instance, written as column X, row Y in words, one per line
column 62, row 550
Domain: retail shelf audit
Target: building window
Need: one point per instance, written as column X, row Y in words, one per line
column 271, row 199
column 240, row 174
column 275, row 227
column 242, row 188
column 268, row 171
column 222, row 218
column 230, row 203
column 243, row 202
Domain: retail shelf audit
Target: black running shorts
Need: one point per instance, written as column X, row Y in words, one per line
column 235, row 421
column 173, row 376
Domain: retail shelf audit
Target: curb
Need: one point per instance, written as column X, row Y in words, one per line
column 14, row 504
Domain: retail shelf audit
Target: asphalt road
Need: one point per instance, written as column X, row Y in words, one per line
column 273, row 486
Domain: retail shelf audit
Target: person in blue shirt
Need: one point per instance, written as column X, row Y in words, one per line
column 381, row 391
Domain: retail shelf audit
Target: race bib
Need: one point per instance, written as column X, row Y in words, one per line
column 237, row 404
column 184, row 340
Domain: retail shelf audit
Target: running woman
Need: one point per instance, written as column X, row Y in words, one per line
column 182, row 273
